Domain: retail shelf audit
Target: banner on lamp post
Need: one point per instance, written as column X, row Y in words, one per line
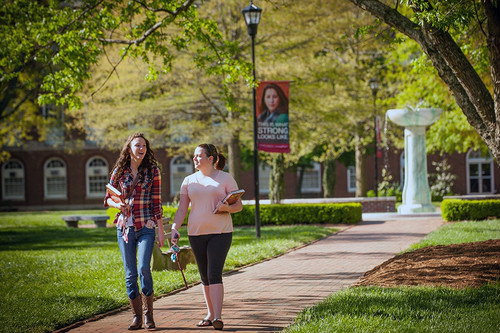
column 272, row 116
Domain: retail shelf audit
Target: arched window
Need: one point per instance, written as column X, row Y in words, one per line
column 13, row 180
column 97, row 176
column 180, row 167
column 55, row 179
column 311, row 181
column 479, row 173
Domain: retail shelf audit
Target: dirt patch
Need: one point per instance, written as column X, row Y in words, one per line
column 456, row 266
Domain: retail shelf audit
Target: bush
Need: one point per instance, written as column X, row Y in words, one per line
column 459, row 210
column 442, row 180
column 285, row 214
column 300, row 214
column 387, row 187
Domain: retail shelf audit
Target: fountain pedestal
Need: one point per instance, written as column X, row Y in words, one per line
column 416, row 191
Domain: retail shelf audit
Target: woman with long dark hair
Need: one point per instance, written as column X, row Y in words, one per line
column 274, row 105
column 137, row 175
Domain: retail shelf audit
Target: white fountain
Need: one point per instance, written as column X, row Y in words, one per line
column 416, row 192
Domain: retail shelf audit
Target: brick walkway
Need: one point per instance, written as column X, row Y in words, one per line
column 268, row 296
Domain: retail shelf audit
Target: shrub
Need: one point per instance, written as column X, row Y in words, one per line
column 459, row 210
column 300, row 214
column 387, row 187
column 442, row 180
column 286, row 214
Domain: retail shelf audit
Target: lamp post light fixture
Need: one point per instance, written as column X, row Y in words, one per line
column 251, row 13
column 374, row 86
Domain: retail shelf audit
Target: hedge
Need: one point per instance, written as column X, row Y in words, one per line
column 460, row 210
column 347, row 213
column 294, row 214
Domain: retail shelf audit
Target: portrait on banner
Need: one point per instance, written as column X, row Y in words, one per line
column 272, row 116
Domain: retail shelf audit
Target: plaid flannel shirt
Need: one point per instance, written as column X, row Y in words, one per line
column 145, row 201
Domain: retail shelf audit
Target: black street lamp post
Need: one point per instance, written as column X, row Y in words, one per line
column 252, row 19
column 374, row 85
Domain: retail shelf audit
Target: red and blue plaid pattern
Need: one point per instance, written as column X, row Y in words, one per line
column 145, row 201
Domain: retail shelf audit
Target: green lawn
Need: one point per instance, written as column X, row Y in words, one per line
column 412, row 309
column 53, row 275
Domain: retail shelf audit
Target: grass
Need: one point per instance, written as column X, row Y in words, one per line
column 53, row 275
column 413, row 309
column 461, row 232
column 404, row 310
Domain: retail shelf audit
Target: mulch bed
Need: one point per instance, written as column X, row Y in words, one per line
column 457, row 266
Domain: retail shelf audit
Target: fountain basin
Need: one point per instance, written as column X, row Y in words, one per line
column 414, row 117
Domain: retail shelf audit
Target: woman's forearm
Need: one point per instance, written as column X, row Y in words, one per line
column 180, row 215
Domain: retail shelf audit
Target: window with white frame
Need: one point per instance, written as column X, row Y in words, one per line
column 351, row 178
column 264, row 174
column 479, row 173
column 13, row 180
column 180, row 167
column 311, row 180
column 97, row 176
column 55, row 179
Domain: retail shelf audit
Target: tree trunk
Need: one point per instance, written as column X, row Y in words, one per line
column 234, row 157
column 329, row 178
column 298, row 189
column 360, row 166
column 277, row 179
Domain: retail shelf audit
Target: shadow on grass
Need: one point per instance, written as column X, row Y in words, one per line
column 50, row 238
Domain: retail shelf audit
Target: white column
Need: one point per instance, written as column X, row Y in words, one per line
column 416, row 191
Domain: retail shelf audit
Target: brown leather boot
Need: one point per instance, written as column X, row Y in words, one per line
column 136, row 305
column 147, row 302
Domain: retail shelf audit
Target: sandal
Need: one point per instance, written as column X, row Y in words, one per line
column 218, row 324
column 204, row 323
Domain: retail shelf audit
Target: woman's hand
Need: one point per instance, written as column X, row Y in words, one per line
column 124, row 209
column 116, row 204
column 224, row 207
column 234, row 208
column 175, row 236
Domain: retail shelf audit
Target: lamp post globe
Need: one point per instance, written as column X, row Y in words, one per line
column 374, row 85
column 252, row 13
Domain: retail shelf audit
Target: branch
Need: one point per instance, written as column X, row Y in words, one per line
column 390, row 16
column 151, row 30
column 212, row 104
column 113, row 70
column 154, row 10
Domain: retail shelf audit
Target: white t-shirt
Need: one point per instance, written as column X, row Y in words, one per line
column 204, row 194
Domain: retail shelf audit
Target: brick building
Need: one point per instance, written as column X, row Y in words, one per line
column 40, row 177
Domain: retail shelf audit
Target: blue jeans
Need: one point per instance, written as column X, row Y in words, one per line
column 136, row 255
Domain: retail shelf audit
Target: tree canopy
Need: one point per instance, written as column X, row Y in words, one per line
column 462, row 40
column 52, row 49
column 47, row 48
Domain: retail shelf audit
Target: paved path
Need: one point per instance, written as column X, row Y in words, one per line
column 268, row 296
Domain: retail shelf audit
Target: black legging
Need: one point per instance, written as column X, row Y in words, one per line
column 210, row 252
